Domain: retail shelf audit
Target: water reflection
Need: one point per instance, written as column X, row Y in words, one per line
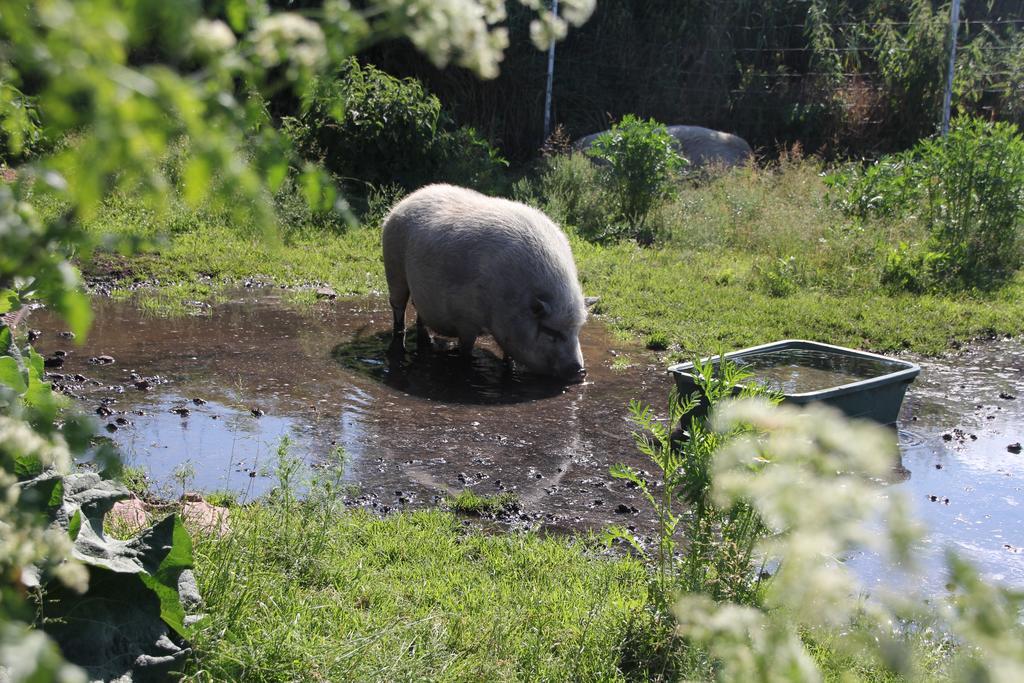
column 439, row 372
column 431, row 423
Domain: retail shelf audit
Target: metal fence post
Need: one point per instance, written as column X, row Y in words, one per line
column 551, row 78
column 954, row 25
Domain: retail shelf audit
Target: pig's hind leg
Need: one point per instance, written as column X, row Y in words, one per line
column 398, row 295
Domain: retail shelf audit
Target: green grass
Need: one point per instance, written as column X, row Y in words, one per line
column 671, row 294
column 301, row 591
column 469, row 503
column 298, row 593
column 752, row 257
column 136, row 480
column 179, row 298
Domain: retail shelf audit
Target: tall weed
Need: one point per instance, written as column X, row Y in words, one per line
column 966, row 189
column 717, row 559
column 571, row 191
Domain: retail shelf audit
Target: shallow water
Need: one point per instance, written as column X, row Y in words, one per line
column 799, row 371
column 414, row 430
column 426, row 423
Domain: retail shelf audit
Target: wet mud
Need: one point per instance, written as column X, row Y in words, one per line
column 208, row 398
column 215, row 394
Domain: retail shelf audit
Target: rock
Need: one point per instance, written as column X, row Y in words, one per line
column 1014, row 447
column 101, row 360
column 701, row 146
column 257, row 412
column 204, row 517
column 181, row 410
column 53, row 361
column 34, row 335
column 67, row 334
column 143, row 385
column 199, row 401
column 326, row 293
column 133, row 512
column 111, row 427
column 1007, row 397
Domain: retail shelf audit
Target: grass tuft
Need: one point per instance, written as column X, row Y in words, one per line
column 469, row 503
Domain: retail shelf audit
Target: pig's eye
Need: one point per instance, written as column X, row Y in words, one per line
column 554, row 334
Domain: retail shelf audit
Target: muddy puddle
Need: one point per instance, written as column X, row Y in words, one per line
column 202, row 402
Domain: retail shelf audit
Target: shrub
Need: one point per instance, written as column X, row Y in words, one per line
column 20, row 132
column 718, row 559
column 642, row 163
column 570, row 189
column 779, row 278
column 968, row 188
column 463, row 157
column 364, row 124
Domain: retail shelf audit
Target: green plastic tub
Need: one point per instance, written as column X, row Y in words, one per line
column 859, row 383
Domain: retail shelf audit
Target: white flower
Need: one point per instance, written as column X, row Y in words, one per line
column 288, row 38
column 212, row 37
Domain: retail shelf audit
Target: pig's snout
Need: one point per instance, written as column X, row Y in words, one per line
column 573, row 372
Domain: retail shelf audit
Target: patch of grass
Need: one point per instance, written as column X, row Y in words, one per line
column 932, row 656
column 178, row 299
column 301, row 298
column 750, row 257
column 300, row 591
column 666, row 291
column 468, row 503
column 309, row 595
column 136, row 480
column 225, row 499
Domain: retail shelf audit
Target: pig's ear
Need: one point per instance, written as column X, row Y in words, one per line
column 540, row 308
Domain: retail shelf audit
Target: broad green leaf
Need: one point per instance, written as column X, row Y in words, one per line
column 276, row 174
column 40, row 397
column 8, row 300
column 28, row 466
column 74, row 524
column 311, row 187
column 10, row 374
column 36, row 364
column 164, row 579
column 57, row 494
column 237, row 13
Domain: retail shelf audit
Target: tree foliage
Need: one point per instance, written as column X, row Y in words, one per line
column 106, row 90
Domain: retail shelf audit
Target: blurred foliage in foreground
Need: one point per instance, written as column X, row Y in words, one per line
column 94, row 95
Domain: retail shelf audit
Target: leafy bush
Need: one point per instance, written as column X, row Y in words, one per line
column 364, row 124
column 571, row 191
column 641, row 166
column 967, row 190
column 20, row 131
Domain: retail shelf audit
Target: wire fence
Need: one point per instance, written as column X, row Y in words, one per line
column 772, row 72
